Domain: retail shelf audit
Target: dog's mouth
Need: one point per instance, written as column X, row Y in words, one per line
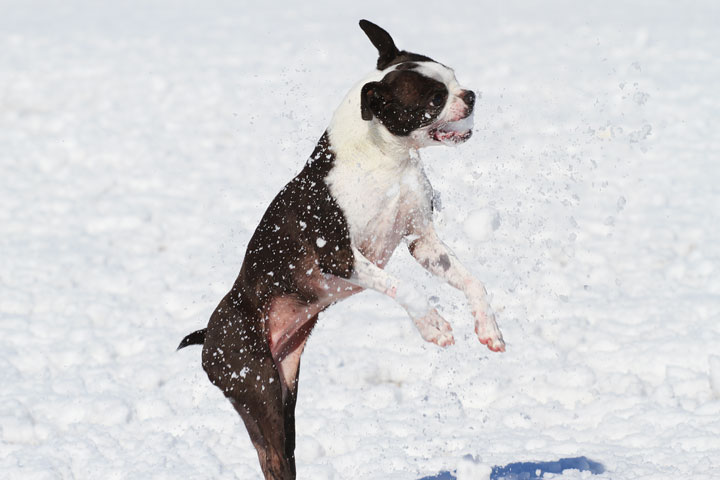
column 453, row 132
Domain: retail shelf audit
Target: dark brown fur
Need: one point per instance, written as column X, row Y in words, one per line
column 285, row 265
column 403, row 101
column 237, row 354
column 388, row 53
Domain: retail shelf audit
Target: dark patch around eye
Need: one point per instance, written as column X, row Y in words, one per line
column 438, row 99
column 403, row 104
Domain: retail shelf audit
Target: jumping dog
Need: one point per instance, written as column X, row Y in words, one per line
column 330, row 232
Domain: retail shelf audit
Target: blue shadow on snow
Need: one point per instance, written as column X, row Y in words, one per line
column 533, row 470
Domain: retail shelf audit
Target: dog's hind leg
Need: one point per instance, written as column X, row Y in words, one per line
column 289, row 421
column 241, row 365
column 265, row 425
column 286, row 351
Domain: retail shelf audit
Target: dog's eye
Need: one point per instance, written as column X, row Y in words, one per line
column 437, row 100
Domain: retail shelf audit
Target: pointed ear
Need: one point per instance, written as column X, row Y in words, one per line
column 387, row 51
column 373, row 96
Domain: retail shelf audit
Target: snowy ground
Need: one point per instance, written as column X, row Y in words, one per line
column 140, row 143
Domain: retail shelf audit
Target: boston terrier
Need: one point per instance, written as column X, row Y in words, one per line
column 330, row 232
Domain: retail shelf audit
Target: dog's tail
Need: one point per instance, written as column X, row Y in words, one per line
column 195, row 338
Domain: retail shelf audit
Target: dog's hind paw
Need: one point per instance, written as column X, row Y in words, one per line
column 435, row 329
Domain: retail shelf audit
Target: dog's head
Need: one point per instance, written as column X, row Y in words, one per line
column 417, row 99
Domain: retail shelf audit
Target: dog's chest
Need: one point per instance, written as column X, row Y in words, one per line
column 381, row 204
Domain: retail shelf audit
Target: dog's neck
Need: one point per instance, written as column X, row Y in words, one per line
column 356, row 140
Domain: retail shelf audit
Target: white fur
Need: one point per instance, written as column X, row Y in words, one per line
column 376, row 172
column 432, row 327
column 378, row 182
column 374, row 177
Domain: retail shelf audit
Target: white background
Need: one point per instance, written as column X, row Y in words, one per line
column 140, row 143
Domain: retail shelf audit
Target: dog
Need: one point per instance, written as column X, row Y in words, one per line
column 330, row 232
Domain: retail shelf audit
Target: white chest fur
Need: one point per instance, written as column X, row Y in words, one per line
column 376, row 179
column 382, row 198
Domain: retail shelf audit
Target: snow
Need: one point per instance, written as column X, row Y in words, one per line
column 142, row 141
column 471, row 469
column 481, row 223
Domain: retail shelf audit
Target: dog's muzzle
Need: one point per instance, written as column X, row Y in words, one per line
column 468, row 96
column 453, row 132
column 457, row 131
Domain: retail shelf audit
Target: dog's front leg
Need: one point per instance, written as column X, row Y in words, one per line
column 428, row 321
column 437, row 258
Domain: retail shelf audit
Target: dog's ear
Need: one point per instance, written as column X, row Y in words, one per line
column 387, row 51
column 373, row 97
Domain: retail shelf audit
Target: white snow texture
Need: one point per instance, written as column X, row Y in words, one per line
column 140, row 143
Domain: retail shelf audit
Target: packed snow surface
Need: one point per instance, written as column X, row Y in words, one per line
column 140, row 143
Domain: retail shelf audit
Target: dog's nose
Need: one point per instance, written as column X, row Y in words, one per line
column 468, row 97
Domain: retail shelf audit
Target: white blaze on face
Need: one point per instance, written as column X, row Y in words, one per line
column 438, row 72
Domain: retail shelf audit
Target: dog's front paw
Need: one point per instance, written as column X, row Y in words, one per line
column 487, row 330
column 435, row 329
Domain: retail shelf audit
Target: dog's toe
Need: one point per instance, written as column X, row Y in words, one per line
column 488, row 332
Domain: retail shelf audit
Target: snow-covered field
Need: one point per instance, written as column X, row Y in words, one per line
column 140, row 143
